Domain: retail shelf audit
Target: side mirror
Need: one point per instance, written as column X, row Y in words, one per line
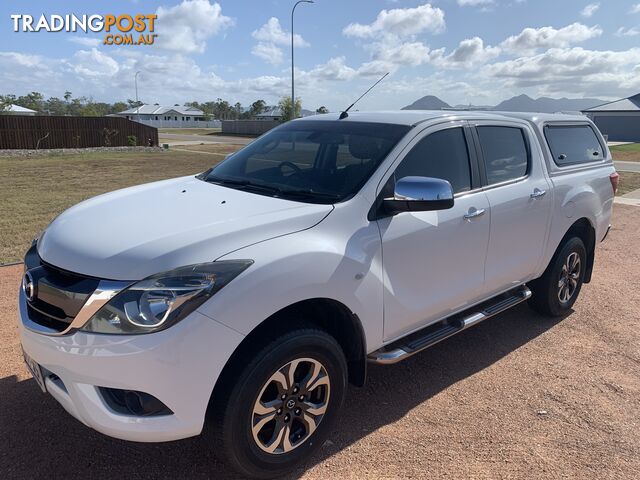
column 419, row 194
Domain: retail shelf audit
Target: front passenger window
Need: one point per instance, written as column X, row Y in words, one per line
column 442, row 154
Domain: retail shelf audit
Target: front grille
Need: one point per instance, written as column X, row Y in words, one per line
column 58, row 294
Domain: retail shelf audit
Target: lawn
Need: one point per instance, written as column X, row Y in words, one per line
column 188, row 131
column 34, row 190
column 629, row 181
column 627, row 153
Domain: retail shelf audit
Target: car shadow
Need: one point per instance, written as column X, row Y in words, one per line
column 39, row 438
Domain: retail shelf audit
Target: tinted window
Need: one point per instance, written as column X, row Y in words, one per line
column 316, row 161
column 573, row 144
column 443, row 155
column 505, row 153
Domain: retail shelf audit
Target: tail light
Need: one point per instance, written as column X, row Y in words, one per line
column 614, row 178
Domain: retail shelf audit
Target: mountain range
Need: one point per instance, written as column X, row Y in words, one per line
column 521, row 103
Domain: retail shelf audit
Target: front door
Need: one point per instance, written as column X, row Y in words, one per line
column 434, row 261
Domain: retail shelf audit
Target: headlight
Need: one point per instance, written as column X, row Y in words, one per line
column 159, row 301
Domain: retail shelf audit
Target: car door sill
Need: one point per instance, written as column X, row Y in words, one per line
column 422, row 339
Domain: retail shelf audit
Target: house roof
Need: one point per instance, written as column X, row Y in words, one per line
column 19, row 109
column 631, row 104
column 270, row 112
column 160, row 110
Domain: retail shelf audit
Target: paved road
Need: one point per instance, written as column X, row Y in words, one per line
column 177, row 139
column 627, row 166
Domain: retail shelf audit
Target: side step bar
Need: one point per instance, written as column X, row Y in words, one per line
column 429, row 336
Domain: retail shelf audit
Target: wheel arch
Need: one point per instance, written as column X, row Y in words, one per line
column 327, row 314
column 584, row 229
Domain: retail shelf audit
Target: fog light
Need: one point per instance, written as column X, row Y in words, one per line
column 132, row 402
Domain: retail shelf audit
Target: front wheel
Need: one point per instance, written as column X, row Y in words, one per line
column 557, row 290
column 283, row 404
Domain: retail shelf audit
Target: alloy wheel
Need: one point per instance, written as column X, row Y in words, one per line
column 290, row 406
column 569, row 277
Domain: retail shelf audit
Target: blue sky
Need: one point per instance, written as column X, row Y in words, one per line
column 464, row 51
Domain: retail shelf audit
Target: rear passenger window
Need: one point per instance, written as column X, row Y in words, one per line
column 442, row 154
column 572, row 144
column 505, row 153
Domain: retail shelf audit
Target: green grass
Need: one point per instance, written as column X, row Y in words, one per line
column 188, row 131
column 34, row 190
column 626, row 153
column 629, row 181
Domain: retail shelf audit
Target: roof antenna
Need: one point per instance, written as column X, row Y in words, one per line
column 345, row 114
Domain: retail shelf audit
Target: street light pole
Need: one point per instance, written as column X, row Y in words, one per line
column 293, row 90
column 137, row 102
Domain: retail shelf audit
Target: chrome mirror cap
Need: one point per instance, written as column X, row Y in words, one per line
column 420, row 194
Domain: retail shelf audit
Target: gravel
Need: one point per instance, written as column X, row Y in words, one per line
column 72, row 151
column 519, row 396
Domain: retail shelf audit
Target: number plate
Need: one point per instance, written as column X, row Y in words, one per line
column 35, row 370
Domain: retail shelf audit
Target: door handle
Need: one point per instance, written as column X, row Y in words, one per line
column 474, row 213
column 537, row 193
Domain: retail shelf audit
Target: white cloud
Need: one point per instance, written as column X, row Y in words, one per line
column 85, row 41
column 401, row 22
column 93, row 63
column 272, row 32
column 21, row 59
column 470, row 52
column 635, row 8
column 589, row 72
column 628, row 32
column 268, row 52
column 187, row 26
column 474, row 3
column 269, row 36
column 590, row 9
column 532, row 39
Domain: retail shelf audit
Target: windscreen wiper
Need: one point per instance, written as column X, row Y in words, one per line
column 244, row 184
column 308, row 193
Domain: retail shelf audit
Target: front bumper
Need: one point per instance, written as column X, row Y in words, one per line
column 179, row 366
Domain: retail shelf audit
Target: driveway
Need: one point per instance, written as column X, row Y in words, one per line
column 177, row 139
column 519, row 396
column 627, row 166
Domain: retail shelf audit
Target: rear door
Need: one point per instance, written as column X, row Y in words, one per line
column 434, row 261
column 520, row 197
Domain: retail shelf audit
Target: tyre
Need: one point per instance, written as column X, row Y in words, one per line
column 283, row 404
column 557, row 290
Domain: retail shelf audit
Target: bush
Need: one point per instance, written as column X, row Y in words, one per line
column 132, row 140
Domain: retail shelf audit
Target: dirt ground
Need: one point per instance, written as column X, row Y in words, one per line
column 519, row 396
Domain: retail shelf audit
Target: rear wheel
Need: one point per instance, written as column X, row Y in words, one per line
column 283, row 404
column 557, row 290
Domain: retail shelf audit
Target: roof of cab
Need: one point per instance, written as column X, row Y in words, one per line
column 413, row 117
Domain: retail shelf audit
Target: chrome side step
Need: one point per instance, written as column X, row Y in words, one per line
column 429, row 336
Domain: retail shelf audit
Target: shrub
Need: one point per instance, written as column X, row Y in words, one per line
column 132, row 140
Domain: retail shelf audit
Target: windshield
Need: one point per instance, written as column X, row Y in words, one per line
column 309, row 161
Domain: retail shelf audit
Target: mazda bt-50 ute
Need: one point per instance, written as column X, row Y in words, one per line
column 241, row 301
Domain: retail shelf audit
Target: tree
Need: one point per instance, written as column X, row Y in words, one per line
column 6, row 101
column 55, row 106
column 257, row 108
column 322, row 109
column 67, row 96
column 133, row 103
column 118, row 107
column 33, row 101
column 288, row 109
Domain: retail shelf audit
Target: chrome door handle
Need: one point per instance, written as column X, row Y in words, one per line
column 537, row 193
column 474, row 213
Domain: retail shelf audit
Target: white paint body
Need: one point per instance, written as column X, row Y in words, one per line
column 397, row 274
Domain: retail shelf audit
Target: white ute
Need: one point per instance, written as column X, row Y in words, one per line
column 241, row 301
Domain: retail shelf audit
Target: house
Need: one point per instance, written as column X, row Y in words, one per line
column 270, row 113
column 174, row 117
column 619, row 120
column 18, row 110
